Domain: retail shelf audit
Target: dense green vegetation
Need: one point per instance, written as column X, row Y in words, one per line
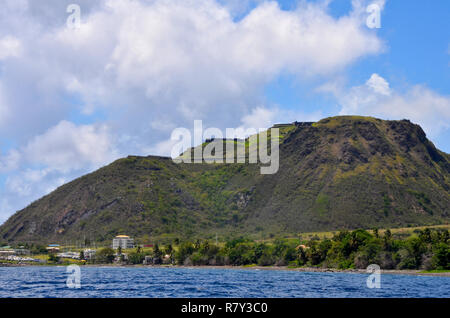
column 428, row 250
column 343, row 172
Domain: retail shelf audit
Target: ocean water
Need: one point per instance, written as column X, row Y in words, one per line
column 108, row 282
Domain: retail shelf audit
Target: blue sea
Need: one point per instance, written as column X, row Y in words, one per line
column 108, row 282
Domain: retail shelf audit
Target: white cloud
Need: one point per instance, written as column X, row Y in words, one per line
column 163, row 148
column 5, row 209
column 3, row 107
column 27, row 186
column 175, row 37
column 68, row 147
column 262, row 117
column 30, row 181
column 378, row 85
column 61, row 154
column 9, row 47
column 190, row 58
column 259, row 117
column 21, row 184
column 417, row 103
column 10, row 161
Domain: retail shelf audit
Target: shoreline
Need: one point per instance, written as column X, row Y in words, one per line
column 411, row 272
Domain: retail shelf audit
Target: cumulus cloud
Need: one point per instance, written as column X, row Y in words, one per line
column 150, row 64
column 68, row 147
column 259, row 117
column 62, row 153
column 5, row 209
column 417, row 103
column 10, row 161
column 379, row 85
column 263, row 117
column 3, row 107
column 9, row 47
column 28, row 183
column 27, row 186
column 187, row 57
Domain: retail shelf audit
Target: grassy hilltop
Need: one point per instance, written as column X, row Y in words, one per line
column 339, row 173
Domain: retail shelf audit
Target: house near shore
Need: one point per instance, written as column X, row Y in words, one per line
column 73, row 255
column 6, row 251
column 53, row 248
column 89, row 254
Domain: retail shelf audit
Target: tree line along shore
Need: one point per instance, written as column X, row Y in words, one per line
column 427, row 249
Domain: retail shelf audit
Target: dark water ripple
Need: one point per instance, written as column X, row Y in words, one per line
column 187, row 282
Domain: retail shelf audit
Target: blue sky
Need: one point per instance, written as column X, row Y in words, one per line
column 73, row 99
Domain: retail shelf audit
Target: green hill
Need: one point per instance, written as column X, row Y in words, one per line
column 338, row 173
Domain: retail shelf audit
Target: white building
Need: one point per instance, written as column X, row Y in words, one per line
column 89, row 254
column 123, row 241
column 74, row 255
